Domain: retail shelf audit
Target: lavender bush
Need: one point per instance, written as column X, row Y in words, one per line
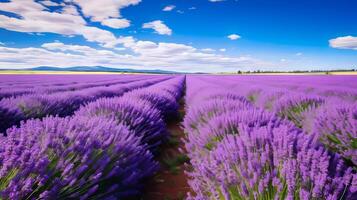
column 164, row 96
column 144, row 120
column 208, row 109
column 72, row 158
column 243, row 152
column 218, row 127
column 62, row 104
column 247, row 137
column 293, row 108
column 266, row 163
column 63, row 86
column 336, row 126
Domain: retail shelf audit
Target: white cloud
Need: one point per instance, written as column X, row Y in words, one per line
column 345, row 42
column 70, row 10
column 116, row 23
column 161, row 49
column 37, row 19
column 208, row 50
column 2, row 44
column 104, row 10
column 120, row 48
column 128, row 41
column 169, row 8
column 159, row 27
column 216, row 0
column 234, row 36
column 223, row 50
column 50, row 3
column 192, row 8
column 146, row 54
column 298, row 54
column 84, row 50
column 283, row 60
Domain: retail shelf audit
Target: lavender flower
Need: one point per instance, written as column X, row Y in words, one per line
column 294, row 107
column 15, row 109
column 336, row 126
column 269, row 163
column 163, row 101
column 242, row 152
column 208, row 109
column 144, row 120
column 72, row 158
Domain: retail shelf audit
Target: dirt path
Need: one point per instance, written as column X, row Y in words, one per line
column 170, row 183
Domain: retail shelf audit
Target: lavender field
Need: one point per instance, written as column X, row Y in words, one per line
column 244, row 137
column 272, row 137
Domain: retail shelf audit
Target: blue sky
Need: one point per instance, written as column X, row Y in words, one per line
column 182, row 35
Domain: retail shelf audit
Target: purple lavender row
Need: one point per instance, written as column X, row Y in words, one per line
column 72, row 158
column 238, row 151
column 331, row 118
column 143, row 110
column 47, row 81
column 92, row 155
column 28, row 81
column 14, row 110
column 342, row 87
column 165, row 97
column 14, row 92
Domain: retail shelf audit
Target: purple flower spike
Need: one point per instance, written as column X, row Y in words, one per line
column 72, row 157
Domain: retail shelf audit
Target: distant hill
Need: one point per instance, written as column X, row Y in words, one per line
column 101, row 69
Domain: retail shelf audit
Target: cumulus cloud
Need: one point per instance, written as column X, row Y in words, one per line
column 158, row 26
column 161, row 49
column 116, row 23
column 144, row 54
column 50, row 3
column 168, row 8
column 222, row 50
column 104, row 10
column 298, row 54
column 234, row 36
column 35, row 18
column 345, row 42
column 83, row 50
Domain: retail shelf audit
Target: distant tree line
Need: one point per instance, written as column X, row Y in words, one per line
column 295, row 71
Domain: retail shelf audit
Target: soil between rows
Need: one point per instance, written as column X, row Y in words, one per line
column 170, row 183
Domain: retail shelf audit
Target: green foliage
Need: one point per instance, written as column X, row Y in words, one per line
column 173, row 163
column 173, row 141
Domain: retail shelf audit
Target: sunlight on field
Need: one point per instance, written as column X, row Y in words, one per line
column 344, row 73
